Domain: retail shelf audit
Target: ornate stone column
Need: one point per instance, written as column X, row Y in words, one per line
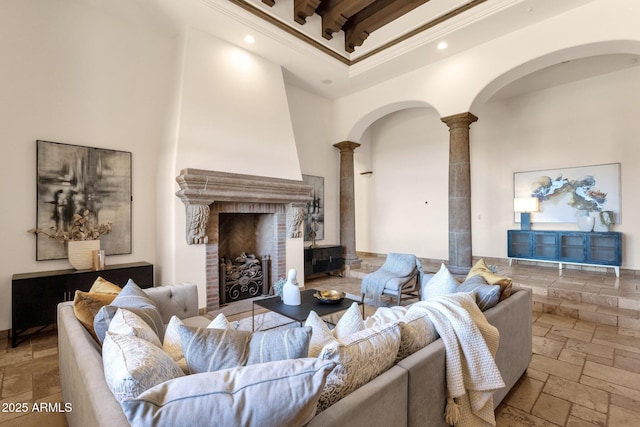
column 459, row 192
column 347, row 202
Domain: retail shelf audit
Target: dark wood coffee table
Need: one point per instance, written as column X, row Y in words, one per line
column 299, row 313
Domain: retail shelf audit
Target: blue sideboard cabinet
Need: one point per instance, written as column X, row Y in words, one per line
column 566, row 247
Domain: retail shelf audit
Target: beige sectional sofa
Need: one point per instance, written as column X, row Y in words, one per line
column 411, row 393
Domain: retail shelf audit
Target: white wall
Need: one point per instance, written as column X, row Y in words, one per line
column 234, row 112
column 311, row 118
column 408, row 190
column 588, row 122
column 73, row 74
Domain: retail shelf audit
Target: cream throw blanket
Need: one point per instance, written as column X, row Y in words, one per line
column 471, row 344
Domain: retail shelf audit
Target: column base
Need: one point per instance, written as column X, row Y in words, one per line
column 352, row 260
column 457, row 270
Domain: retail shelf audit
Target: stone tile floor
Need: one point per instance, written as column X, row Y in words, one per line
column 585, row 370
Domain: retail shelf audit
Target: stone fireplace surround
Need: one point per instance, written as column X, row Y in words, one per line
column 207, row 194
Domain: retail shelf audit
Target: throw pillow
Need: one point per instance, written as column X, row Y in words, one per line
column 103, row 286
column 172, row 343
column 349, row 323
column 87, row 304
column 279, row 344
column 126, row 322
column 321, row 334
column 235, row 397
column 133, row 365
column 360, row 357
column 207, row 350
column 134, row 299
column 416, row 330
column 442, row 283
column 220, row 322
column 486, row 295
column 384, row 315
column 481, row 268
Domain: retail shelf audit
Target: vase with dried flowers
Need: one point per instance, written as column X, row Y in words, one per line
column 81, row 239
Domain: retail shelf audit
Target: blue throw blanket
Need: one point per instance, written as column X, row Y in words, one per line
column 395, row 266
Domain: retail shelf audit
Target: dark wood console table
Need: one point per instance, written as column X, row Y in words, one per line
column 35, row 296
column 322, row 260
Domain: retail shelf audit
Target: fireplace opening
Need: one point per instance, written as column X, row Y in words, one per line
column 245, row 277
column 245, row 241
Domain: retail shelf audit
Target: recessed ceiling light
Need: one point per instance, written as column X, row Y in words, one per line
column 249, row 39
column 442, row 45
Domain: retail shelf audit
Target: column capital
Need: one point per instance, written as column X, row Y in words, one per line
column 346, row 146
column 462, row 120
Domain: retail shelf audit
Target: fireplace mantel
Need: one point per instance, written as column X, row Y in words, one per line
column 201, row 188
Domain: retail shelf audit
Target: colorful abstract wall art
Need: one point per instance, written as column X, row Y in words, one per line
column 567, row 193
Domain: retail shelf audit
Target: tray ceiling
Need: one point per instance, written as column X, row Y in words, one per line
column 401, row 37
column 351, row 22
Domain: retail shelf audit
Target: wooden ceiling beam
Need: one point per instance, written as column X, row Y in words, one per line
column 374, row 16
column 362, row 18
column 302, row 9
column 335, row 14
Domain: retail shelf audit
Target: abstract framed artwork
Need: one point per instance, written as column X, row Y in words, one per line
column 314, row 215
column 74, row 178
column 564, row 194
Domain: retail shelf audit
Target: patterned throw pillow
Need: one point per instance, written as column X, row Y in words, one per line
column 136, row 300
column 235, row 397
column 360, row 357
column 87, row 304
column 133, row 365
column 416, row 330
column 442, row 283
column 481, row 268
column 126, row 322
column 486, row 295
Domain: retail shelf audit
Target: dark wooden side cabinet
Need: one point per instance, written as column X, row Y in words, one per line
column 322, row 260
column 35, row 296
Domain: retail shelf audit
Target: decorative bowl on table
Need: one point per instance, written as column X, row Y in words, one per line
column 330, row 297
